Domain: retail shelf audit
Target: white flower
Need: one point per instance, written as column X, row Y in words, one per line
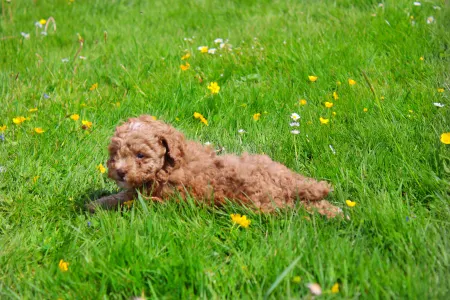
column 212, row 51
column 44, row 33
column 315, row 289
column 430, row 20
column 380, row 5
column 437, row 104
column 218, row 41
column 295, row 116
column 295, row 131
column 332, row 149
column 38, row 24
column 65, row 60
column 437, row 7
column 82, row 57
column 25, row 35
column 294, row 124
column 417, row 3
column 242, row 131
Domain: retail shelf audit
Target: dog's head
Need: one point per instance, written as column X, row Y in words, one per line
column 143, row 151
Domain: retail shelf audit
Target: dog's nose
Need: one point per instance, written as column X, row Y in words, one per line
column 121, row 174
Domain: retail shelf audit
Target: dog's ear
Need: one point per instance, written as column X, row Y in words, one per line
column 174, row 143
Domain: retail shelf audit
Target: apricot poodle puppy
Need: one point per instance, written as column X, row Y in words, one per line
column 156, row 159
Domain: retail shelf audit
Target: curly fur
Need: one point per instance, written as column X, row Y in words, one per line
column 155, row 158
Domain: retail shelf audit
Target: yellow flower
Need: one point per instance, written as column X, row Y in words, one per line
column 440, row 90
column 185, row 66
column 421, row 58
column 312, row 78
column 303, row 102
column 35, row 179
column 351, row 82
column 338, row 83
column 94, row 87
column 214, row 88
column 63, row 265
column 296, row 279
column 333, row 113
column 445, row 138
column 350, row 203
column 154, row 118
column 335, row 288
column 201, row 118
column 39, row 130
column 203, row 49
column 75, row 117
column 256, row 116
column 382, row 98
column 86, row 124
column 18, row 120
column 365, row 109
column 42, row 21
column 32, row 110
column 101, row 168
column 186, row 56
column 329, row 104
column 335, row 95
column 240, row 220
column 3, row 128
column 324, row 121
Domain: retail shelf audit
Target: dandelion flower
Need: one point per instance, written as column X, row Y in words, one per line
column 86, row 124
column 186, row 56
column 312, row 78
column 185, row 66
column 437, row 104
column 240, row 220
column 351, row 82
column 214, row 88
column 324, row 121
column 335, row 288
column 19, row 120
column 3, row 128
column 328, row 104
column 365, row 109
column 445, row 138
column 39, row 130
column 75, row 117
column 295, row 116
column 42, row 21
column 101, row 168
column 295, row 131
column 203, row 49
column 440, row 90
column 94, row 87
column 335, row 95
column 350, row 203
column 32, row 110
column 303, row 102
column 201, row 118
column 256, row 116
column 63, row 265
column 315, row 289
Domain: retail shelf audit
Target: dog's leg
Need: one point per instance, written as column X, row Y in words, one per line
column 111, row 201
column 324, row 208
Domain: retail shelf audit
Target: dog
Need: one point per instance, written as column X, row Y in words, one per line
column 156, row 159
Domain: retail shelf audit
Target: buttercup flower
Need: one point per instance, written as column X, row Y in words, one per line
column 335, row 288
column 214, row 88
column 19, row 120
column 351, row 82
column 440, row 90
column 303, row 102
column 101, row 168
column 185, row 66
column 324, row 121
column 86, row 124
column 350, row 203
column 201, row 118
column 256, row 116
column 94, row 87
column 312, row 78
column 445, row 138
column 335, row 95
column 186, row 56
column 42, row 21
column 421, row 58
column 203, row 49
column 63, row 265
column 328, row 104
column 295, row 116
column 75, row 117
column 365, row 109
column 240, row 220
column 3, row 128
column 39, row 130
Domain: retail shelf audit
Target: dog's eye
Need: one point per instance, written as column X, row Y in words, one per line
column 140, row 155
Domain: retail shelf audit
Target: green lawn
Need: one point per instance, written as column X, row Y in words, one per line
column 381, row 147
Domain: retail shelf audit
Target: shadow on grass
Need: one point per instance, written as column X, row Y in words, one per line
column 91, row 195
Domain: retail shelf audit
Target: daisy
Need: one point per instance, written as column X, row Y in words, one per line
column 437, row 104
column 295, row 116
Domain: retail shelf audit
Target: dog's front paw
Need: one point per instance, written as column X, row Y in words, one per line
column 91, row 207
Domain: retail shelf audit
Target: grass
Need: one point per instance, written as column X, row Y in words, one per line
column 389, row 159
